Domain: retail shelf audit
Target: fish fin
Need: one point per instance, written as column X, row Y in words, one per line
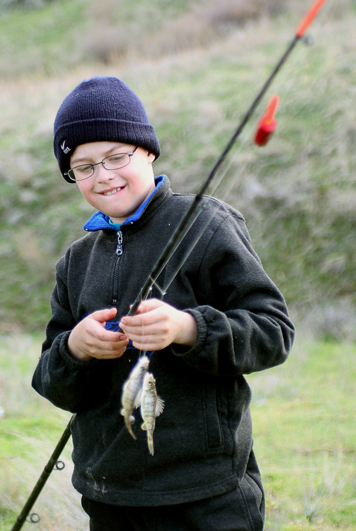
column 143, row 426
column 159, row 406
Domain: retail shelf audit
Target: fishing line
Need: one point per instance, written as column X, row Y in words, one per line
column 186, row 223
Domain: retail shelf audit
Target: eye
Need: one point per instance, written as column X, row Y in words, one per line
column 83, row 170
column 115, row 158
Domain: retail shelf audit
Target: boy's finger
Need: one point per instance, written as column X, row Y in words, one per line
column 149, row 305
column 104, row 315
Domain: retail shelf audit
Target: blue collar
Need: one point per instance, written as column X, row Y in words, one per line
column 100, row 221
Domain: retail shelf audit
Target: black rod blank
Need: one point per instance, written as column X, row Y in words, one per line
column 43, row 478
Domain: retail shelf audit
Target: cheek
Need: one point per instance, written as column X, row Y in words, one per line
column 85, row 190
column 82, row 186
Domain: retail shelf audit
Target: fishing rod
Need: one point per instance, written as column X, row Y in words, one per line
column 182, row 228
column 53, row 461
column 266, row 127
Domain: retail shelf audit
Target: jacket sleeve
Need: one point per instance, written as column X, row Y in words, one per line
column 59, row 377
column 246, row 327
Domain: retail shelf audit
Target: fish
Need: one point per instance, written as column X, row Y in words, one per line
column 131, row 391
column 151, row 407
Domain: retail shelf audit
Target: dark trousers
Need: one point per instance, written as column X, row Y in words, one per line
column 239, row 510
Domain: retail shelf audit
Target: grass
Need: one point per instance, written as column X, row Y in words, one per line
column 40, row 41
column 30, row 428
column 305, row 438
column 304, row 432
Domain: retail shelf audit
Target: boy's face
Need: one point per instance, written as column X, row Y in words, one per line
column 116, row 193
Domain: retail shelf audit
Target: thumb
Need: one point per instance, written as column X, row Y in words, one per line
column 104, row 315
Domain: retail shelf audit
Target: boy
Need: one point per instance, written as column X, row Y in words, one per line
column 222, row 317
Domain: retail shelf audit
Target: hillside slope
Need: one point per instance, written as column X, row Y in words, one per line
column 197, row 69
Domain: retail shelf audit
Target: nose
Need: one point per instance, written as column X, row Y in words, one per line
column 102, row 174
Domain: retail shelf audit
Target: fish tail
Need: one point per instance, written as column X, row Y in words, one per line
column 129, row 427
column 150, row 444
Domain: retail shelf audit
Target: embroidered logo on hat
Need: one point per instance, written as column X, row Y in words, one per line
column 64, row 148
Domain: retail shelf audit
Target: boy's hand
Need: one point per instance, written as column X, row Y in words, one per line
column 89, row 338
column 157, row 324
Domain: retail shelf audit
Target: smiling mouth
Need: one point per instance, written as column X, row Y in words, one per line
column 114, row 191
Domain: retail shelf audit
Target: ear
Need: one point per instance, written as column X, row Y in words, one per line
column 151, row 157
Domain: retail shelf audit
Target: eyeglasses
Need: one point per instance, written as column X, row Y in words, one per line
column 112, row 162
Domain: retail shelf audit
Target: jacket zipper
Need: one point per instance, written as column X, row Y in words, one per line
column 119, row 251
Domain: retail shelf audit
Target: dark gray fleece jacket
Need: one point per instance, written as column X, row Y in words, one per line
column 203, row 439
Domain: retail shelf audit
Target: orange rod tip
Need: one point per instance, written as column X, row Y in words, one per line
column 309, row 17
column 271, row 108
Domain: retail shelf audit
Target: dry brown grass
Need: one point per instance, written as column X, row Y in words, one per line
column 199, row 26
column 151, row 34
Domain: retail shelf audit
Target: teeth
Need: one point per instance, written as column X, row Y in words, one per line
column 112, row 191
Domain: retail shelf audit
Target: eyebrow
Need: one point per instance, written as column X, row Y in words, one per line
column 103, row 155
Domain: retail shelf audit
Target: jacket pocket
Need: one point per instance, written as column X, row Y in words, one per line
column 254, row 502
column 212, row 424
column 259, row 495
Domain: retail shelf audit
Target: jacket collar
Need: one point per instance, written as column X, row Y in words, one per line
column 99, row 221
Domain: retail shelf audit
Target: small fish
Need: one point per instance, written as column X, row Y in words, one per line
column 151, row 407
column 131, row 391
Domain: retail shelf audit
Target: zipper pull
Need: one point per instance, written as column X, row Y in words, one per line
column 119, row 246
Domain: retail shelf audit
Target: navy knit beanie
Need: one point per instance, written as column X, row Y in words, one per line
column 101, row 109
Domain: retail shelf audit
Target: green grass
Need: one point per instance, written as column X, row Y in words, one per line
column 40, row 41
column 304, row 432
column 30, row 428
column 305, row 438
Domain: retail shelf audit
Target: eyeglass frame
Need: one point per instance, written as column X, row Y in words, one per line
column 67, row 174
